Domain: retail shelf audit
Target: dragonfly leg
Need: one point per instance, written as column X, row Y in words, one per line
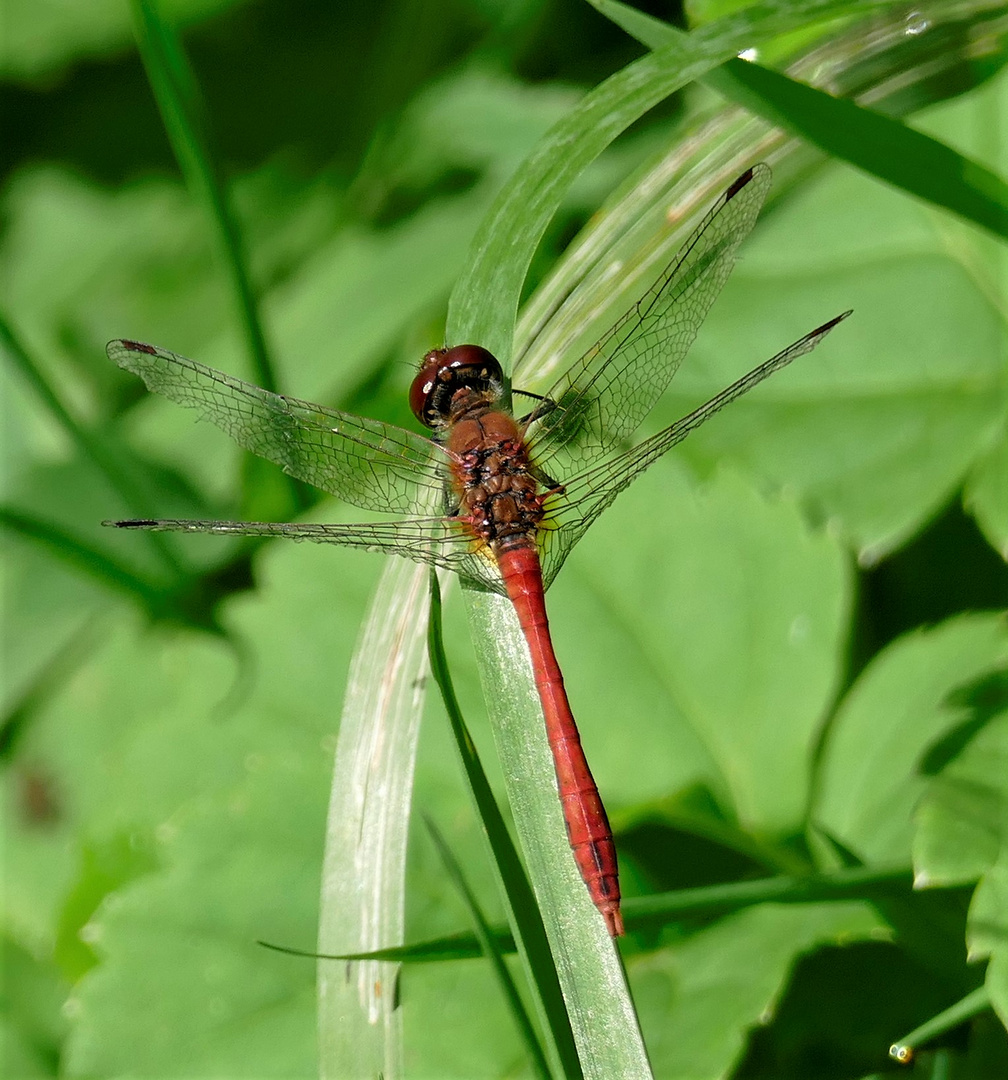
column 553, row 487
column 543, row 408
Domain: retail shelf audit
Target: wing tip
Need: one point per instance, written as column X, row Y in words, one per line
column 128, row 345
column 826, row 327
column 738, row 184
column 744, row 179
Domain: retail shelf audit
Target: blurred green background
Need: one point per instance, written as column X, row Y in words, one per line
column 767, row 628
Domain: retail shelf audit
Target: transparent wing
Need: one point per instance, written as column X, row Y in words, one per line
column 434, row 540
column 370, row 464
column 571, row 510
column 602, row 398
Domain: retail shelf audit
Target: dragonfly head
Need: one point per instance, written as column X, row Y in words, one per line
column 448, row 377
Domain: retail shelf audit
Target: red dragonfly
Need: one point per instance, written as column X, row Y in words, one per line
column 501, row 501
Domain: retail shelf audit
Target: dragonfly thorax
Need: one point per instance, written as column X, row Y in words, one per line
column 452, row 382
column 498, row 496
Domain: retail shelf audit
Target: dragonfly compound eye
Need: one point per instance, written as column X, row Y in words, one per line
column 443, row 372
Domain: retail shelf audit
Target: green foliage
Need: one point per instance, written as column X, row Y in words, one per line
column 785, row 645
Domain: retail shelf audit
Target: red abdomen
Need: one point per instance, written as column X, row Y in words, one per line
column 585, row 816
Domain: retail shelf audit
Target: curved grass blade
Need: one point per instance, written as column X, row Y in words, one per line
column 484, row 303
column 363, row 887
column 669, row 908
column 903, row 1050
column 185, row 121
column 483, row 308
column 878, row 144
column 461, row 946
column 520, row 903
column 488, row 947
column 88, row 443
column 634, row 232
column 83, row 557
column 19, row 713
column 709, row 901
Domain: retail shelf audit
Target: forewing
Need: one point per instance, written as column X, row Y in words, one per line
column 434, row 540
column 602, row 398
column 373, row 465
column 573, row 508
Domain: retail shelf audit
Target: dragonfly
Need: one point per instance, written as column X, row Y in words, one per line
column 500, row 500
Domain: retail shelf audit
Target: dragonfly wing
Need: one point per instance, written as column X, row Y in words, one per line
column 601, row 399
column 373, row 465
column 573, row 508
column 438, row 541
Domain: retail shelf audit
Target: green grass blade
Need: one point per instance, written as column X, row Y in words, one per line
column 19, row 713
column 634, row 227
column 588, row 963
column 483, row 309
column 975, row 1002
column 88, row 443
column 184, row 116
column 709, row 901
column 893, row 152
column 667, row 909
column 880, row 145
column 461, row 946
column 484, row 303
column 89, row 560
column 488, row 946
column 363, row 895
column 520, row 902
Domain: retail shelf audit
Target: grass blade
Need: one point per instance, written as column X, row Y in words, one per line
column 461, row 946
column 88, row 443
column 876, row 143
column 483, row 309
column 907, row 159
column 484, row 303
column 363, row 875
column 903, row 1050
column 669, row 908
column 709, row 901
column 185, row 121
column 89, row 560
column 488, row 946
column 519, row 900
